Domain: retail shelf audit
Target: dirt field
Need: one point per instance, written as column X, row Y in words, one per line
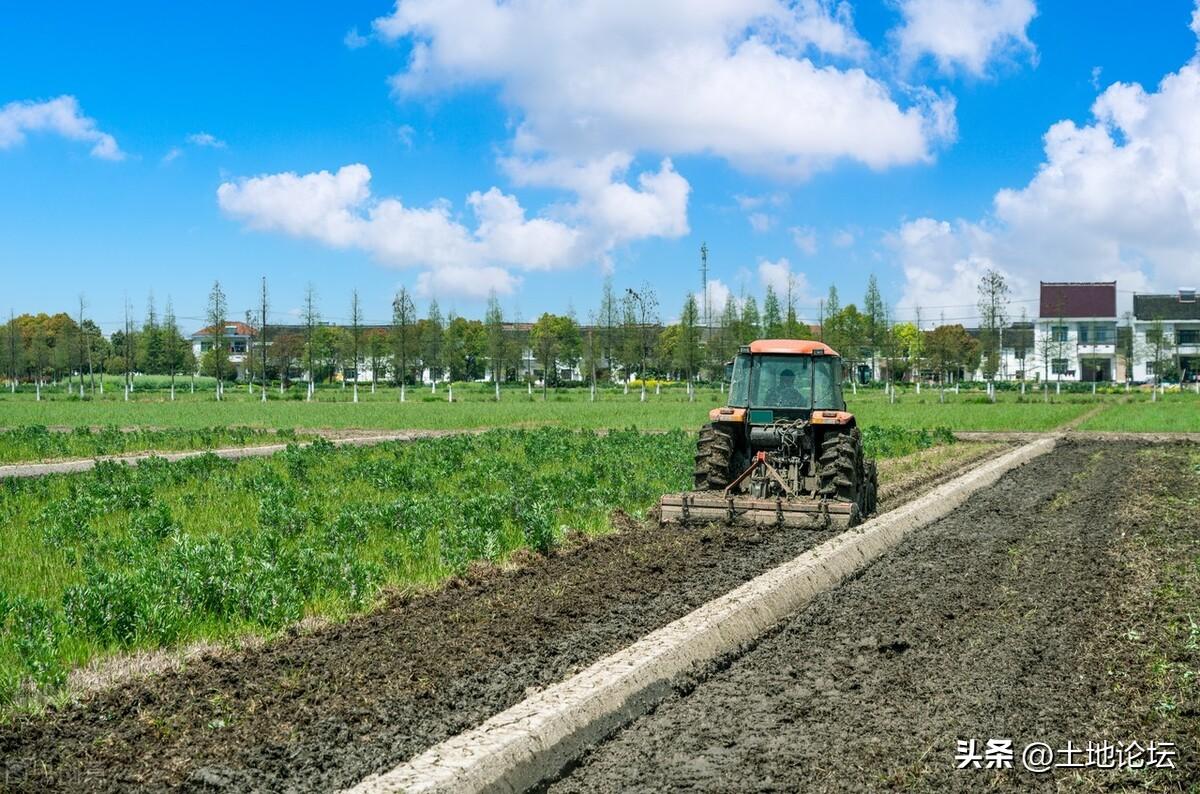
column 946, row 637
column 1011, row 618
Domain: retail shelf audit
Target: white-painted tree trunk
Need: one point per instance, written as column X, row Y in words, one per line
column 172, row 392
column 497, row 391
column 38, row 389
column 450, row 393
column 355, row 392
column 643, row 391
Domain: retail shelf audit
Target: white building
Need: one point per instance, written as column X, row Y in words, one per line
column 1178, row 317
column 238, row 340
column 1076, row 333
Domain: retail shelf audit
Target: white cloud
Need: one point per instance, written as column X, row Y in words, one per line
column 1196, row 20
column 337, row 209
column 355, row 40
column 718, row 295
column 805, row 238
column 843, row 238
column 1096, row 71
column 732, row 78
column 760, row 221
column 405, row 133
column 173, row 154
column 205, row 139
column 1118, row 198
column 60, row 116
column 968, row 34
column 779, row 276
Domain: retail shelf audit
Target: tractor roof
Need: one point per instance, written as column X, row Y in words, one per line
column 798, row 347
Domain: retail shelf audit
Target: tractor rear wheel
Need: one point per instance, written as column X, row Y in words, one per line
column 871, row 488
column 714, row 459
column 841, row 467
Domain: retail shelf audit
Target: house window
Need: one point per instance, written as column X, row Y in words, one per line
column 1058, row 333
column 1189, row 336
column 1058, row 366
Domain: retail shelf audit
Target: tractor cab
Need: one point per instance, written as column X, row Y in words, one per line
column 786, row 379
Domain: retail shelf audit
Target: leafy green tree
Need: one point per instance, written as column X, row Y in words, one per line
column 554, row 338
column 404, row 335
column 875, row 322
column 772, row 317
column 751, row 324
column 497, row 340
column 431, row 341
column 687, row 353
column 465, row 345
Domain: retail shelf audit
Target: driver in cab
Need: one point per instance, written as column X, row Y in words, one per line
column 785, row 394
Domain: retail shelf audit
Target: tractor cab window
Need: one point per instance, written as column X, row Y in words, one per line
column 827, row 383
column 739, row 381
column 782, row 382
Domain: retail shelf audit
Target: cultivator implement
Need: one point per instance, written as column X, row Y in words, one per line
column 697, row 509
column 731, row 507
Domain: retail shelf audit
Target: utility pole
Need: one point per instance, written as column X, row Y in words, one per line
column 704, row 282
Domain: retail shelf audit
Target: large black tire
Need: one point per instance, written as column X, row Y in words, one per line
column 840, row 469
column 714, row 459
column 871, row 489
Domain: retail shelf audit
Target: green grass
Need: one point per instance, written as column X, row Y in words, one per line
column 36, row 442
column 1173, row 413
column 123, row 558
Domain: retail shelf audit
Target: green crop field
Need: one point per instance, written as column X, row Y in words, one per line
column 475, row 407
column 124, row 557
column 37, row 443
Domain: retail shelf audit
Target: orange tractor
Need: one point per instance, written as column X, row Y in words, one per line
column 784, row 451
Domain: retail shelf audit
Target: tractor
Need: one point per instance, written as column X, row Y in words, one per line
column 784, row 451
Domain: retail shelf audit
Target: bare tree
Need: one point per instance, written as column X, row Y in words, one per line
column 217, row 311
column 355, row 334
column 404, row 318
column 993, row 314
column 262, row 333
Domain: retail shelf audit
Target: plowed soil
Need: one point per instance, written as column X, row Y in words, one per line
column 1011, row 618
column 323, row 710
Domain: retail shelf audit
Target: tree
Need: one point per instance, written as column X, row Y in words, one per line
column 830, row 307
column 950, row 348
column 172, row 344
column 687, row 354
column 1157, row 350
column 909, row 342
column 355, row 332
column 431, row 341
column 263, row 341
column 217, row 310
column 404, row 318
column 641, row 317
column 875, row 324
column 465, row 343
column 792, row 327
column 751, row 326
column 311, row 318
column 376, row 341
column 497, row 342
column 151, row 353
column 610, row 325
column 772, row 317
column 553, row 336
column 993, row 314
column 845, row 331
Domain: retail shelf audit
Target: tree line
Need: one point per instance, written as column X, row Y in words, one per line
column 624, row 337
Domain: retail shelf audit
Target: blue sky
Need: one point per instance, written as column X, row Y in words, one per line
column 115, row 193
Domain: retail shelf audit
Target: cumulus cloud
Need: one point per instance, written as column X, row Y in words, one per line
column 355, row 40
column 805, row 238
column 732, row 78
column 964, row 34
column 779, row 276
column 1117, row 198
column 60, row 116
column 338, row 210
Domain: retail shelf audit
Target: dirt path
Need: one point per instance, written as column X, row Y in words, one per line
column 324, row 709
column 992, row 623
column 231, row 453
